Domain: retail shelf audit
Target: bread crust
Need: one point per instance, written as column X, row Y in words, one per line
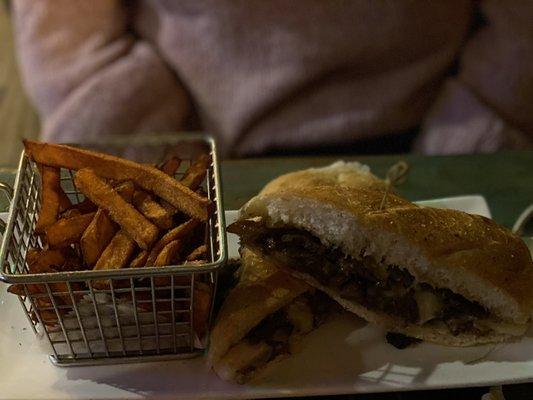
column 340, row 173
column 261, row 293
column 469, row 254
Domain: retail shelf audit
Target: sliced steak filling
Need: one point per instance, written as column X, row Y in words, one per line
column 377, row 286
column 298, row 318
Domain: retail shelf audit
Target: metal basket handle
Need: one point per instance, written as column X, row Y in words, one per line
column 8, row 192
column 523, row 219
column 520, row 224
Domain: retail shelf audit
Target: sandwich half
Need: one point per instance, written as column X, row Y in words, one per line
column 262, row 319
column 439, row 275
column 265, row 314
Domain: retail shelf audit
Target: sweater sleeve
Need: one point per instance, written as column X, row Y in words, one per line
column 488, row 106
column 88, row 77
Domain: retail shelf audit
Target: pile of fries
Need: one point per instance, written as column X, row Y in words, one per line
column 133, row 216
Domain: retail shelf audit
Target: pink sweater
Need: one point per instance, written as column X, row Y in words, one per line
column 268, row 75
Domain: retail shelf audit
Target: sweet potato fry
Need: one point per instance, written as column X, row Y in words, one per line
column 171, row 165
column 174, row 234
column 169, row 208
column 168, row 254
column 115, row 256
column 64, row 259
column 202, row 304
column 124, row 214
column 48, row 258
column 149, row 178
column 117, row 253
column 73, row 262
column 71, row 212
column 32, row 255
column 67, row 231
column 64, row 200
column 96, row 237
column 139, row 260
column 37, row 268
column 126, row 190
column 53, row 199
column 59, row 289
column 195, row 174
column 198, row 254
column 55, row 287
column 152, row 210
column 83, row 207
column 18, row 289
column 35, row 291
column 49, row 318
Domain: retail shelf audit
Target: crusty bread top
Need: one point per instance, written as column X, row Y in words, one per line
column 261, row 291
column 469, row 254
column 352, row 174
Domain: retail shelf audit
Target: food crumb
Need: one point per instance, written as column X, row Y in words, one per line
column 401, row 341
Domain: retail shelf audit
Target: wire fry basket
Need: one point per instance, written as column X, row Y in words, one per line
column 145, row 314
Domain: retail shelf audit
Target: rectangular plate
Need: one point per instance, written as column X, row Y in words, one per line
column 345, row 355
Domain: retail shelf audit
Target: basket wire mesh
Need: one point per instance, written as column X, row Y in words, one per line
column 142, row 314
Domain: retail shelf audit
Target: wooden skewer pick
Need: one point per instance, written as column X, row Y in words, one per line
column 396, row 175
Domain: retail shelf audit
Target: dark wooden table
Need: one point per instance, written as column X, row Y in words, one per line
column 505, row 179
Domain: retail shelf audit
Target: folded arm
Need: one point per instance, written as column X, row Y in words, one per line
column 488, row 106
column 87, row 76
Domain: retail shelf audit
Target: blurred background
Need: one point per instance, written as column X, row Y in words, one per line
column 17, row 117
column 266, row 78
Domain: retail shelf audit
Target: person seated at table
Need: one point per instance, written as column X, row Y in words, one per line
column 284, row 77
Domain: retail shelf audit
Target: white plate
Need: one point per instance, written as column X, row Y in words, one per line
column 473, row 204
column 343, row 356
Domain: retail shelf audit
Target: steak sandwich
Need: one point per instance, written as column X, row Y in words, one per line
column 268, row 311
column 439, row 275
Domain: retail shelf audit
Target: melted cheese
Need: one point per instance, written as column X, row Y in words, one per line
column 429, row 305
column 505, row 328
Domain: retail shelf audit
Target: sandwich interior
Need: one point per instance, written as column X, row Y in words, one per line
column 389, row 291
column 275, row 336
